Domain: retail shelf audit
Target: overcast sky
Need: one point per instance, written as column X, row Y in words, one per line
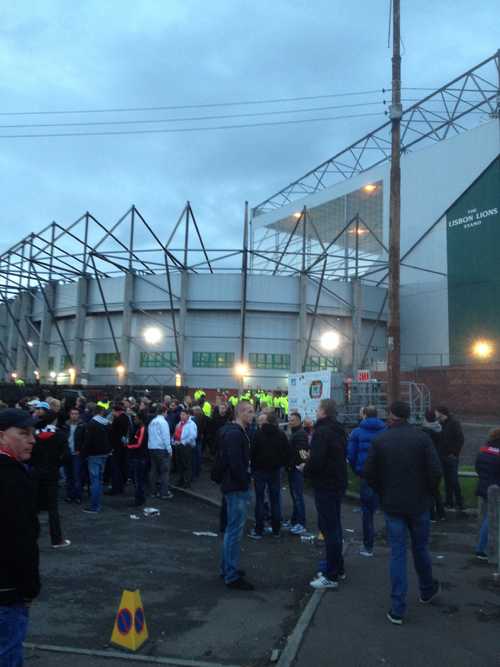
column 95, row 54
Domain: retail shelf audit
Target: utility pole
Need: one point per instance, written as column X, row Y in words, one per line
column 393, row 328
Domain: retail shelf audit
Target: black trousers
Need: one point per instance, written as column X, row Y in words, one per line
column 48, row 499
column 184, row 464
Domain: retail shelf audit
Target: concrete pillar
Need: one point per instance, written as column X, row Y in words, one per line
column 25, row 306
column 357, row 306
column 182, row 322
column 45, row 331
column 82, row 290
column 302, row 343
column 128, row 299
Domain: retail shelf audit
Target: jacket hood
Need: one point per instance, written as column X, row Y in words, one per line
column 372, row 424
column 333, row 423
column 269, row 429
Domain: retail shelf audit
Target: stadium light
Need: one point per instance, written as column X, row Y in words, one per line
column 36, row 373
column 30, row 343
column 369, row 187
column 53, row 375
column 120, row 370
column 13, row 375
column 152, row 335
column 240, row 370
column 483, row 349
column 178, row 380
column 330, row 340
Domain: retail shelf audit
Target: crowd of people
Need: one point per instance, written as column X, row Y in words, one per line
column 93, row 449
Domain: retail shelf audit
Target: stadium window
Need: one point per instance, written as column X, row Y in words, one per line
column 323, row 363
column 213, row 359
column 65, row 362
column 51, row 363
column 106, row 359
column 266, row 361
column 158, row 360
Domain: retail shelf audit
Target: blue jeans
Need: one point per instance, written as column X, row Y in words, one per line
column 272, row 481
column 138, row 470
column 13, row 628
column 96, row 468
column 73, row 471
column 237, row 504
column 296, row 486
column 369, row 505
column 483, row 531
column 397, row 531
column 328, row 505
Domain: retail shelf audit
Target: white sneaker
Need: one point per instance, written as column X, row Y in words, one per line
column 287, row 525
column 322, row 582
column 62, row 545
column 365, row 552
column 298, row 529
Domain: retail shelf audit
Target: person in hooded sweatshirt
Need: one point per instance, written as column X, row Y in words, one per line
column 95, row 451
column 434, row 430
column 360, row 443
column 269, row 453
column 50, row 452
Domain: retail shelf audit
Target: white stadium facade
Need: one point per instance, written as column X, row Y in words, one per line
column 128, row 303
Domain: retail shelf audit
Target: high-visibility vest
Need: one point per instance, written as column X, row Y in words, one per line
column 198, row 394
column 207, row 409
column 233, row 400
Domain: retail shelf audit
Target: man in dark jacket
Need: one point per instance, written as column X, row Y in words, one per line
column 49, row 454
column 119, row 435
column 452, row 441
column 95, row 451
column 488, row 471
column 75, row 429
column 234, row 453
column 269, row 453
column 19, row 573
column 360, row 443
column 299, row 446
column 403, row 468
column 327, row 470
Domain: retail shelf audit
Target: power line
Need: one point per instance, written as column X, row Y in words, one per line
column 190, row 106
column 189, row 118
column 187, row 129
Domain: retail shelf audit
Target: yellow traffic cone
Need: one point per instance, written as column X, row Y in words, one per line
column 130, row 630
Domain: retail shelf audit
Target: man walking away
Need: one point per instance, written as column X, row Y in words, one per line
column 299, row 446
column 185, row 441
column 138, row 458
column 452, row 443
column 488, row 471
column 268, row 454
column 73, row 469
column 49, row 454
column 234, row 458
column 360, row 443
column 160, row 453
column 327, row 470
column 19, row 573
column 403, row 468
column 95, row 451
column 119, row 434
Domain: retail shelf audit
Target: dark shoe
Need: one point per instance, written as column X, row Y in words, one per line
column 254, row 535
column 241, row 584
column 240, row 573
column 89, row 510
column 425, row 599
column 78, row 501
column 68, row 500
column 397, row 620
column 480, row 555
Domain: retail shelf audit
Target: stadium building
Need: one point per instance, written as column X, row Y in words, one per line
column 307, row 289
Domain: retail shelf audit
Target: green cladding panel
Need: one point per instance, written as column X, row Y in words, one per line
column 473, row 248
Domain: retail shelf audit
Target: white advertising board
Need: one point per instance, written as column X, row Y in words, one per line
column 305, row 391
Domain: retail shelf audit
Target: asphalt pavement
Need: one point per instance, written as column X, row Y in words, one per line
column 192, row 616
